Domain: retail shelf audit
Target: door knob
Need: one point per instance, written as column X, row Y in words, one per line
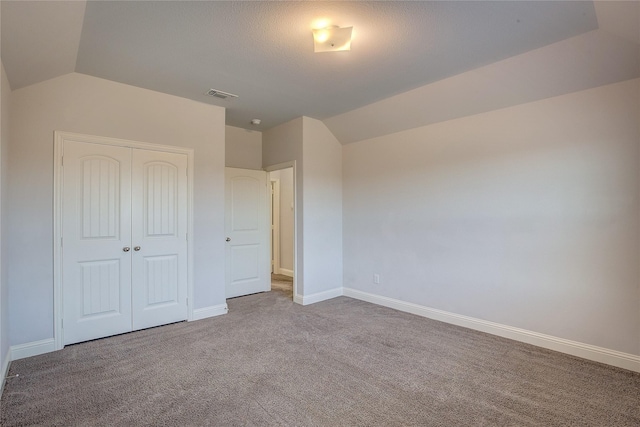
column 228, row 239
column 126, row 249
column 136, row 248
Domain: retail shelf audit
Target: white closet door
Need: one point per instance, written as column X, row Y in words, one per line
column 247, row 230
column 159, row 238
column 96, row 233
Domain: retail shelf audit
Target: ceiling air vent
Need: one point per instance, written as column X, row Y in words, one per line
column 220, row 94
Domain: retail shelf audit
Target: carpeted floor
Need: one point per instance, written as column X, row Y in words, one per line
column 341, row 362
column 282, row 283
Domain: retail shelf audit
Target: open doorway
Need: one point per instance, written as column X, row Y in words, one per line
column 282, row 193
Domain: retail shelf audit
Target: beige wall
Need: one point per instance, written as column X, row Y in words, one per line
column 243, row 148
column 527, row 216
column 84, row 104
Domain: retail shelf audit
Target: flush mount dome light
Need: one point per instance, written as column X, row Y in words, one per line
column 332, row 39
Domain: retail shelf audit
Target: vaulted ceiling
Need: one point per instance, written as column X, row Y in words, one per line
column 263, row 51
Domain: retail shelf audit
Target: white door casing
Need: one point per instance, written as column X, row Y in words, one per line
column 297, row 298
column 247, row 229
column 95, row 287
column 275, row 226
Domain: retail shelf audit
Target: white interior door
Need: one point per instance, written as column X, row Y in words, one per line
column 247, row 231
column 124, row 239
column 159, row 238
column 96, row 223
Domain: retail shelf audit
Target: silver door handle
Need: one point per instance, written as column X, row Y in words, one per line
column 228, row 239
column 126, row 249
column 136, row 248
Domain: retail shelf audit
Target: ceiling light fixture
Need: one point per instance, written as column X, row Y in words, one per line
column 256, row 122
column 332, row 39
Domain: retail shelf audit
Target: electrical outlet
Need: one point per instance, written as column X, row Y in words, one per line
column 376, row 278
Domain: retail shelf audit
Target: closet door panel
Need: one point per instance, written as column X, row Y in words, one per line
column 159, row 238
column 96, row 234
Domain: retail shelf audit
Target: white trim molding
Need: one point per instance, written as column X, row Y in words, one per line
column 318, row 297
column 33, row 348
column 274, row 203
column 574, row 348
column 4, row 369
column 214, row 310
column 286, row 272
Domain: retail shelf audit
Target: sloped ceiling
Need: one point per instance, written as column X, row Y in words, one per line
column 40, row 40
column 263, row 52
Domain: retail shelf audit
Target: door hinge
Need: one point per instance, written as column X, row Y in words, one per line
column 186, row 237
column 62, row 323
column 62, row 161
column 61, row 242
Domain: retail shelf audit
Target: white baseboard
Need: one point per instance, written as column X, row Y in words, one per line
column 285, row 272
column 4, row 369
column 214, row 310
column 34, row 348
column 574, row 348
column 317, row 297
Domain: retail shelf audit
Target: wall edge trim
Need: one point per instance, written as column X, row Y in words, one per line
column 4, row 369
column 206, row 312
column 319, row 296
column 33, row 348
column 286, row 272
column 574, row 348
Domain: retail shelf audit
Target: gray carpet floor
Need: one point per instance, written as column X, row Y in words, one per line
column 340, row 362
column 282, row 283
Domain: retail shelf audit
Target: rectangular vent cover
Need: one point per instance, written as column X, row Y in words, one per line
column 220, row 94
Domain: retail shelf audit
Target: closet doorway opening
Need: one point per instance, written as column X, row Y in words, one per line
column 283, row 226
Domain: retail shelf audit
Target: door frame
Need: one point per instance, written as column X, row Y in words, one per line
column 274, row 202
column 58, row 150
column 297, row 298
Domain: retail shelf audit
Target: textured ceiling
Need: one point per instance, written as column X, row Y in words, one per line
column 263, row 51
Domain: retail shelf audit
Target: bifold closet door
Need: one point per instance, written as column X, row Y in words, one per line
column 96, row 241
column 124, row 239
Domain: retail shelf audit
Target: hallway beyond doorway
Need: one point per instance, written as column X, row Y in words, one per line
column 282, row 283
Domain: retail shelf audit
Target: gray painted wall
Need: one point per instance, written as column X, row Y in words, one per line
column 5, row 93
column 527, row 216
column 318, row 156
column 88, row 105
column 243, row 148
column 283, row 144
column 322, row 158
